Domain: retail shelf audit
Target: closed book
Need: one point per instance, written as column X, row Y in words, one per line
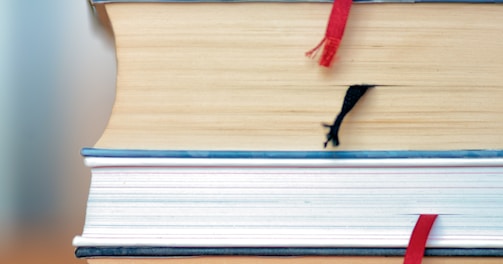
column 234, row 76
column 250, row 203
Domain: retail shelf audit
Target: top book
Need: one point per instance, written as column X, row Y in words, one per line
column 233, row 76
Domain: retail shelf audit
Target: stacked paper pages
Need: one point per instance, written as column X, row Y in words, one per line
column 293, row 199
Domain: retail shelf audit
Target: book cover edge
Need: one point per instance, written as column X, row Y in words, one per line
column 357, row 154
column 292, row 1
column 86, row 252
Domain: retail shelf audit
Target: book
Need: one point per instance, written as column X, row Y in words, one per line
column 215, row 148
column 184, row 203
column 234, row 76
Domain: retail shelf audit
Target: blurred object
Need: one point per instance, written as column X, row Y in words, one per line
column 58, row 86
column 5, row 131
column 101, row 20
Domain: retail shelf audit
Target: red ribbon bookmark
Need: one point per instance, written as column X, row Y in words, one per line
column 333, row 35
column 417, row 243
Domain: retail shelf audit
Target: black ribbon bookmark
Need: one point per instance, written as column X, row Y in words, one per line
column 353, row 94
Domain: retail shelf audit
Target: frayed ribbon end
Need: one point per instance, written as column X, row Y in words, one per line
column 330, row 47
column 335, row 31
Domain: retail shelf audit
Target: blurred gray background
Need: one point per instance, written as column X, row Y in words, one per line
column 57, row 86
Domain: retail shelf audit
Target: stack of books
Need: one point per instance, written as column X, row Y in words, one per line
column 214, row 150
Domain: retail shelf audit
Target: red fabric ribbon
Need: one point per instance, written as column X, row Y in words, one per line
column 333, row 35
column 417, row 243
